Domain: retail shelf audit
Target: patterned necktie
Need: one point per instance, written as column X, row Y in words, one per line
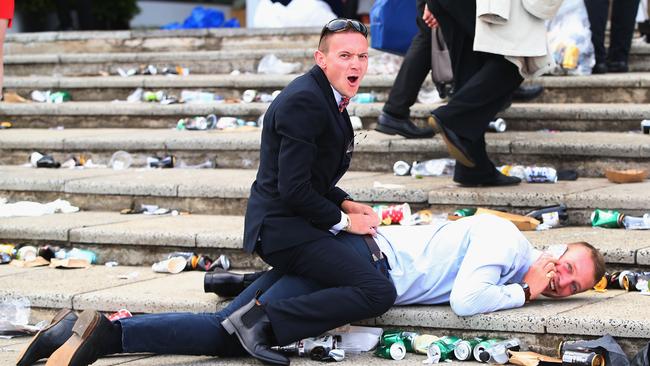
column 343, row 103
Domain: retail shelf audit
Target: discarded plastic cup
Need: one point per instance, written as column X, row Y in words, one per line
column 498, row 125
column 249, row 95
column 120, row 160
column 172, row 265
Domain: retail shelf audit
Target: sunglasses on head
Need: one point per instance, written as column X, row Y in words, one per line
column 342, row 24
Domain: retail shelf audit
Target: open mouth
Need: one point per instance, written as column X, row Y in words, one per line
column 353, row 79
column 552, row 284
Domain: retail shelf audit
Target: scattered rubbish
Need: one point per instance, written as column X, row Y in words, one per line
column 637, row 223
column 38, row 160
column 48, row 96
column 271, row 64
column 635, row 281
column 76, row 253
column 498, row 352
column 567, row 174
column 120, row 160
column 551, row 216
column 136, row 96
column 27, row 253
column 11, row 97
column 164, row 162
column 30, row 209
column 432, row 168
column 5, row 125
column 195, row 96
column 356, row 123
column 607, row 218
column 387, row 185
column 201, row 17
column 530, row 174
column 626, row 176
column 229, row 122
column 208, row 164
column 198, row 123
column 364, row 98
column 120, row 314
column 498, row 125
column 7, row 253
column 152, row 70
column 151, row 210
column 321, row 348
column 172, row 265
column 645, row 126
column 528, row 358
column 569, row 39
column 401, row 168
column 201, row 262
column 36, row 262
column 355, row 339
column 14, row 318
column 607, row 352
column 111, row 264
column 393, row 214
column 429, row 95
column 465, row 212
column 523, row 223
column 126, row 73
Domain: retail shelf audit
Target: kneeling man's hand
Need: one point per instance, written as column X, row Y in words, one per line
column 362, row 224
column 351, row 207
column 540, row 274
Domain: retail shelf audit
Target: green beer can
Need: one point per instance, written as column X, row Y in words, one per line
column 395, row 351
column 442, row 349
column 391, row 337
column 464, row 212
column 409, row 338
column 482, row 346
column 464, row 348
column 607, row 218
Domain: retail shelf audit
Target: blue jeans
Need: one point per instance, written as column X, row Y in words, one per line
column 202, row 334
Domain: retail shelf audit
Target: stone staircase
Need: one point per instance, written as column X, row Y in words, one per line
column 579, row 123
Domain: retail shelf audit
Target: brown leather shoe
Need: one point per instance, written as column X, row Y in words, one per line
column 48, row 339
column 92, row 337
column 454, row 145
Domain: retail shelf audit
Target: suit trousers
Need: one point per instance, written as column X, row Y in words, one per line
column 484, row 84
column 414, row 69
column 621, row 32
column 202, row 334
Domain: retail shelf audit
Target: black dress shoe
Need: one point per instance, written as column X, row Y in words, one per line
column 454, row 145
column 49, row 338
column 228, row 284
column 252, row 327
column 527, row 92
column 403, row 127
column 93, row 336
column 498, row 180
column 617, row 66
column 599, row 68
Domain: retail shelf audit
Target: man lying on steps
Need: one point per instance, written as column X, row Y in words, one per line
column 477, row 264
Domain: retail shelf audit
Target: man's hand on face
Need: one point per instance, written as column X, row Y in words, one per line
column 540, row 274
column 363, row 218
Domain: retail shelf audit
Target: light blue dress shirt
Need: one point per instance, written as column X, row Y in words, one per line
column 475, row 263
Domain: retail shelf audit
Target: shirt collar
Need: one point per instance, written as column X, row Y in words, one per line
column 337, row 95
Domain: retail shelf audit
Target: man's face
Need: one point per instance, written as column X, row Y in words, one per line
column 345, row 61
column 574, row 273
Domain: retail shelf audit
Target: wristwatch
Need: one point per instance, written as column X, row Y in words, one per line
column 526, row 288
column 348, row 222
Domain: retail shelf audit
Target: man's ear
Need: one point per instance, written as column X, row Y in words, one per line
column 319, row 56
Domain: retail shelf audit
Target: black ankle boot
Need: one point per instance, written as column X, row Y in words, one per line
column 252, row 327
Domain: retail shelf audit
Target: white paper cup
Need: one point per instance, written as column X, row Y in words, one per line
column 172, row 265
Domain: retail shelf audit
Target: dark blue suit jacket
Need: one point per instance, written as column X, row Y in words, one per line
column 306, row 148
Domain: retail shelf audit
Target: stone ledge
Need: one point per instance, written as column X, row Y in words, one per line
column 619, row 246
column 149, row 292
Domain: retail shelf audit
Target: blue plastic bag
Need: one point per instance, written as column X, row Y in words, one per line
column 204, row 18
column 392, row 25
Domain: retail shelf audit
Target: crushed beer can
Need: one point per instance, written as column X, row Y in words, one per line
column 498, row 125
column 636, row 281
column 582, row 358
column 484, row 345
column 442, row 349
column 401, row 168
column 607, row 218
column 421, row 343
column 498, row 352
column 120, row 314
column 464, row 348
column 535, row 174
column 465, row 212
column 396, row 351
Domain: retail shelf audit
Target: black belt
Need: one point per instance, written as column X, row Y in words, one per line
column 379, row 260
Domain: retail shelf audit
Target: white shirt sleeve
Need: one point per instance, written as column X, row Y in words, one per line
column 341, row 225
column 476, row 288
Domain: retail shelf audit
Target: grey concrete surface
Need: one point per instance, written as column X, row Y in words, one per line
column 56, row 288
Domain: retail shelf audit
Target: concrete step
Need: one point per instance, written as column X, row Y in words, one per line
column 225, row 191
column 541, row 324
column 145, row 239
column 589, row 153
column 199, row 62
column 520, row 117
column 609, row 88
column 158, row 40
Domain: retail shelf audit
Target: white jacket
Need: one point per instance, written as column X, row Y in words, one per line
column 516, row 29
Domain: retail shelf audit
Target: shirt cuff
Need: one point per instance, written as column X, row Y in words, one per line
column 516, row 293
column 341, row 225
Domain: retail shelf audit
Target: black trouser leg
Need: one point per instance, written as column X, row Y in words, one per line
column 355, row 290
column 622, row 29
column 414, row 69
column 597, row 11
